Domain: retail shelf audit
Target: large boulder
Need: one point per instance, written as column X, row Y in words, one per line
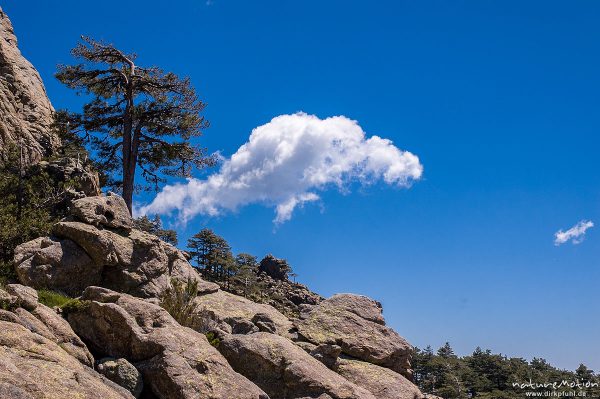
column 25, row 110
column 57, row 264
column 355, row 323
column 109, row 211
column 284, row 370
column 235, row 311
column 32, row 366
column 99, row 248
column 40, row 355
column 176, row 361
column 21, row 307
column 383, row 383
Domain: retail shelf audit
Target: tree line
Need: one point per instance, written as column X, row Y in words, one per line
column 486, row 375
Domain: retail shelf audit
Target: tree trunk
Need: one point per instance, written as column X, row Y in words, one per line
column 128, row 151
column 128, row 181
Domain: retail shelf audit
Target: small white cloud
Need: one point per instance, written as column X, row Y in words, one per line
column 575, row 234
column 285, row 163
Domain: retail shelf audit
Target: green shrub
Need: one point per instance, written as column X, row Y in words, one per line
column 75, row 305
column 178, row 300
column 8, row 304
column 212, row 339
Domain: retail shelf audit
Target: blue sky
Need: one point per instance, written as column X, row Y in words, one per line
column 499, row 100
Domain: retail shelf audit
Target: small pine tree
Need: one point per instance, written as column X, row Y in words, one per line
column 446, row 351
column 155, row 227
column 246, row 275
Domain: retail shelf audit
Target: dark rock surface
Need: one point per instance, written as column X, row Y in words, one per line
column 274, row 268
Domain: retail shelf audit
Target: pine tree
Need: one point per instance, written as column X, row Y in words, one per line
column 584, row 374
column 212, row 255
column 446, row 351
column 246, row 274
column 155, row 227
column 139, row 118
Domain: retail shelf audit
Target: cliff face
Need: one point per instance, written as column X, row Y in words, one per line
column 25, row 110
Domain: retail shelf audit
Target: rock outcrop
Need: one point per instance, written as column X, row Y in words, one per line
column 383, row 383
column 355, row 323
column 20, row 306
column 337, row 348
column 286, row 296
column 176, row 361
column 40, row 355
column 274, row 267
column 84, row 178
column 281, row 293
column 234, row 312
column 25, row 110
column 99, row 248
column 284, row 370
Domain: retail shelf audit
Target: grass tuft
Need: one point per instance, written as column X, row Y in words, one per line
column 53, row 299
column 67, row 304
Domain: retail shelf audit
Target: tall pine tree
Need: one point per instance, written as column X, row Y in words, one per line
column 138, row 119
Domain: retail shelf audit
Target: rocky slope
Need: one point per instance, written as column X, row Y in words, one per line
column 338, row 348
column 276, row 289
column 25, row 110
column 40, row 355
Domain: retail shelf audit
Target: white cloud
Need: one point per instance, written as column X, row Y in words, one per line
column 285, row 163
column 575, row 234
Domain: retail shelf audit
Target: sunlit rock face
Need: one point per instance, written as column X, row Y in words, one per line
column 99, row 247
column 25, row 110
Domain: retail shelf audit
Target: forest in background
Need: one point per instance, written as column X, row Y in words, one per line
column 487, row 375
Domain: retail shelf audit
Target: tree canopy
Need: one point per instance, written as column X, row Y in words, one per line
column 138, row 117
